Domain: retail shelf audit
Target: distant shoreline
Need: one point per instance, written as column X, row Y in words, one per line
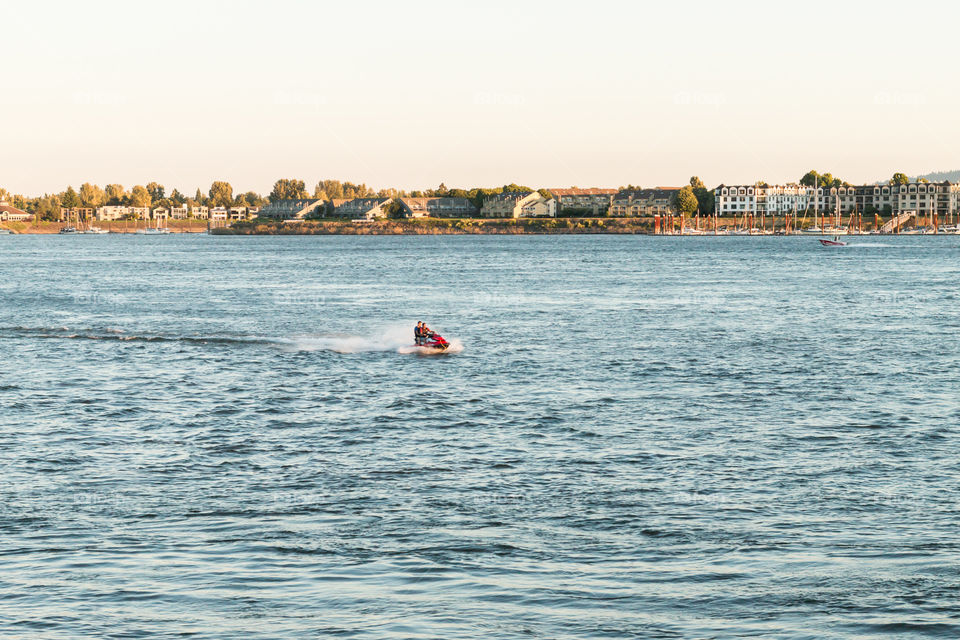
column 427, row 226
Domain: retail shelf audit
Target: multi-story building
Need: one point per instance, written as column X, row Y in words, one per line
column 77, row 213
column 440, row 207
column 510, row 204
column 643, row 202
column 942, row 198
column 361, row 208
column 586, row 201
column 179, row 213
column 218, row 214
column 112, row 212
column 296, row 209
column 161, row 213
column 539, row 208
column 200, row 212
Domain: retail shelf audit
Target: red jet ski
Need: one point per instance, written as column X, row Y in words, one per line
column 436, row 341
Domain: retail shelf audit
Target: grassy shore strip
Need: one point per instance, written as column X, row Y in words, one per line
column 442, row 226
column 117, row 226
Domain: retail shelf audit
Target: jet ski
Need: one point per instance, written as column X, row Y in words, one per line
column 435, row 342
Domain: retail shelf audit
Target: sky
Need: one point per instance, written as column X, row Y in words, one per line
column 412, row 94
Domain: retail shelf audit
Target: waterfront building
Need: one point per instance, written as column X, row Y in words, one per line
column 588, row 202
column 12, row 214
column 294, row 209
column 639, row 203
column 200, row 212
column 361, row 208
column 510, row 204
column 237, row 213
column 539, row 208
column 441, row 207
column 218, row 214
column 140, row 213
column 108, row 213
column 77, row 213
column 179, row 213
column 161, row 213
column 941, row 198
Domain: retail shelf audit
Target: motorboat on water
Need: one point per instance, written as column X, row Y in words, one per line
column 95, row 230
column 836, row 242
column 66, row 230
column 154, row 231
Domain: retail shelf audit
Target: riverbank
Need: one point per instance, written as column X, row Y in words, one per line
column 442, row 226
column 116, row 226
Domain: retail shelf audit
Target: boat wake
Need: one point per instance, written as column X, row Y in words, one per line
column 396, row 339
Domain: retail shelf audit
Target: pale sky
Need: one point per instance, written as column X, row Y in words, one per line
column 411, row 94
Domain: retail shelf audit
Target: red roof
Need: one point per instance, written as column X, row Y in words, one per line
column 8, row 209
column 583, row 192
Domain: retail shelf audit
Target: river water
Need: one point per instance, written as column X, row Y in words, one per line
column 212, row 437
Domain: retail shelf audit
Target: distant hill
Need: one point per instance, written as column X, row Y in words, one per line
column 940, row 176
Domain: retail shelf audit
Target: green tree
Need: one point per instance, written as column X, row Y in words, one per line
column 156, row 191
column 250, row 199
column 48, row 208
column 178, row 198
column 140, row 197
column 199, row 198
column 332, row 188
column 115, row 194
column 288, row 189
column 899, row 178
column 705, row 197
column 221, row 194
column 91, row 195
column 684, row 201
column 70, row 199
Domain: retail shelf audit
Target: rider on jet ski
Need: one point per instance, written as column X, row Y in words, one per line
column 421, row 332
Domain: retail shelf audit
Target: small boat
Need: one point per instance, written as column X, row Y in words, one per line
column 95, row 230
column 836, row 242
column 6, row 232
column 69, row 230
column 154, row 232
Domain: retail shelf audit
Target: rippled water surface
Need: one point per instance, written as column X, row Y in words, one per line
column 216, row 437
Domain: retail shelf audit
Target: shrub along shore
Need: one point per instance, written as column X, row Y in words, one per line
column 441, row 226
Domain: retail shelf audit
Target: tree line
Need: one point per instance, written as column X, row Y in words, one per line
column 692, row 198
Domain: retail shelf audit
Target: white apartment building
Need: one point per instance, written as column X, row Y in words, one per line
column 942, row 198
column 179, row 213
column 199, row 212
column 519, row 204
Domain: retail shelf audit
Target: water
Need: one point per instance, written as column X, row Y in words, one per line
column 216, row 437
